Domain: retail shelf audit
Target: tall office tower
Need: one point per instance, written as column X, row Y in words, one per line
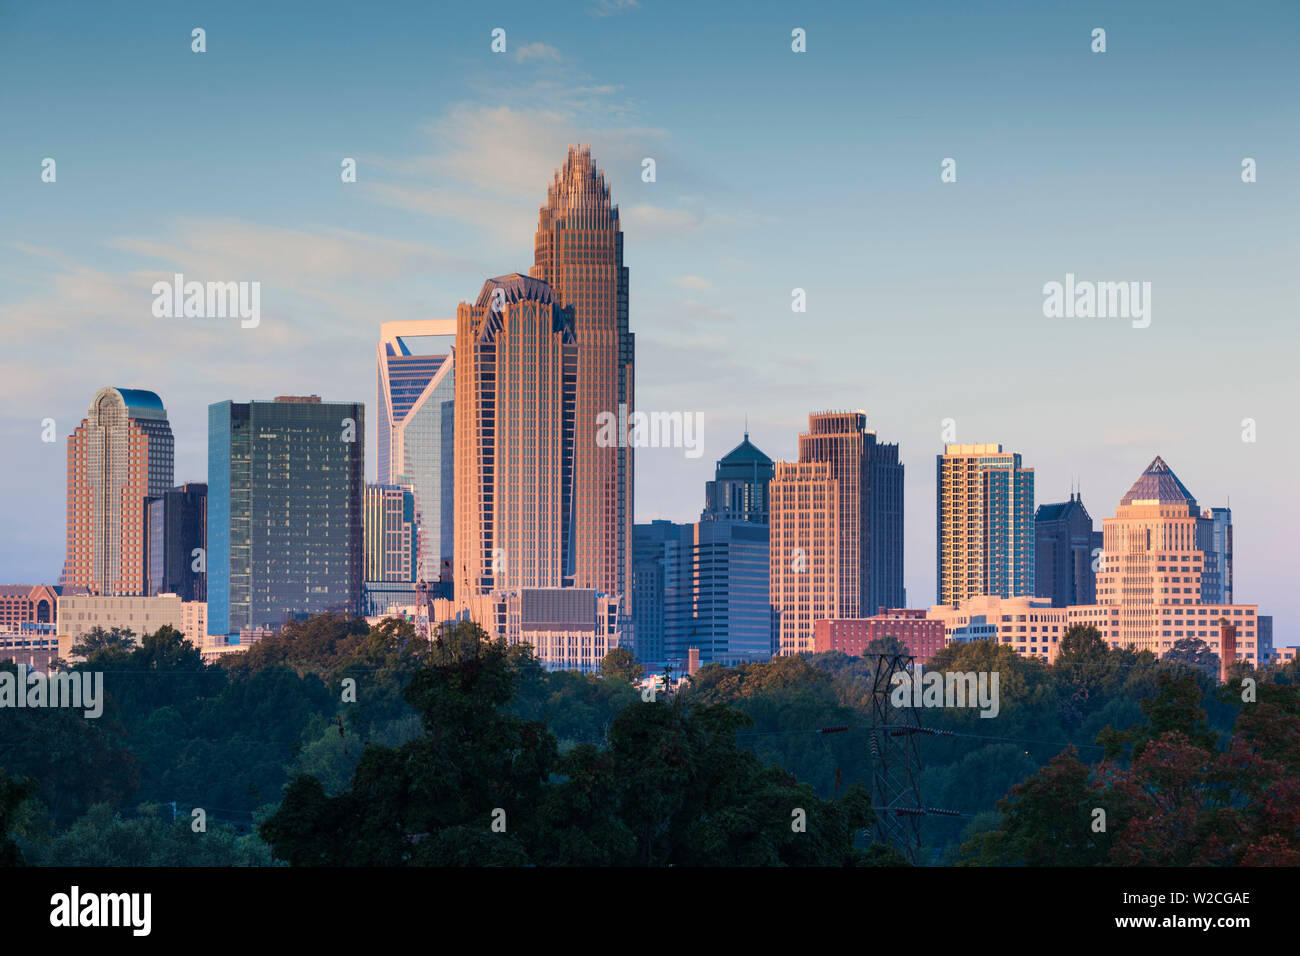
column 178, row 535
column 1151, row 589
column 716, row 593
column 579, row 252
column 648, row 555
column 985, row 539
column 871, row 509
column 805, row 552
column 391, row 534
column 1064, row 546
column 739, row 487
column 120, row 454
column 1216, row 542
column 416, row 429
column 516, row 385
column 285, row 484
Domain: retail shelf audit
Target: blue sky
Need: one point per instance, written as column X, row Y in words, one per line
column 775, row 170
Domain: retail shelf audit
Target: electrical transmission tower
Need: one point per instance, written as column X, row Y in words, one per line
column 895, row 765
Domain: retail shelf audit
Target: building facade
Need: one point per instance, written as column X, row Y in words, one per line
column 1154, row 561
column 391, row 533
column 870, row 478
column 1030, row 626
column 285, row 487
column 177, row 532
column 516, row 394
column 648, row 560
column 79, row 614
column 715, row 599
column 922, row 636
column 739, row 489
column 985, row 524
column 804, row 555
column 1066, row 548
column 120, row 455
column 416, row 430
column 578, row 253
column 27, row 604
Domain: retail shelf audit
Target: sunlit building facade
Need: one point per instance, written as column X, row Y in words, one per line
column 985, row 524
column 578, row 253
column 804, row 555
column 516, row 394
column 121, row 454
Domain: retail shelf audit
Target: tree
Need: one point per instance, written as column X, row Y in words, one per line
column 13, row 793
column 1195, row 653
column 621, row 664
column 98, row 643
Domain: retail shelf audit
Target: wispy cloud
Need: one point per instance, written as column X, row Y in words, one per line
column 538, row 51
column 607, row 8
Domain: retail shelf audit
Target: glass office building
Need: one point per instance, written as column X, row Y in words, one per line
column 416, row 371
column 285, row 487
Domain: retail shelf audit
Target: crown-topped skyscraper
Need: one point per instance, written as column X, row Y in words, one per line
column 579, row 252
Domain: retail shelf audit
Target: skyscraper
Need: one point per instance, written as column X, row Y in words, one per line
column 579, row 253
column 871, row 509
column 516, row 395
column 985, row 517
column 1064, row 546
column 391, row 534
column 416, row 368
column 716, row 575
column 177, row 532
column 805, row 552
column 739, row 489
column 648, row 558
column 1152, row 586
column 120, row 455
column 285, row 484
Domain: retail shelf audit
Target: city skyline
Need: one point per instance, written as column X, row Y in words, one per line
column 716, row 335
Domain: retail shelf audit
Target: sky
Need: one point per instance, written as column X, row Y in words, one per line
column 775, row 170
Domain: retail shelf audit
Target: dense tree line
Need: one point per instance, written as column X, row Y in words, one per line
column 335, row 742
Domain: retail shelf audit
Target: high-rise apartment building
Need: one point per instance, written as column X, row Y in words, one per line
column 285, row 485
column 120, row 455
column 1065, row 549
column 391, row 533
column 416, row 429
column 579, row 255
column 870, row 477
column 739, row 489
column 985, row 518
column 805, row 556
column 865, row 555
column 516, row 399
column 177, row 530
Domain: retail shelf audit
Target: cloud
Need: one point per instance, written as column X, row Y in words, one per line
column 607, row 8
column 693, row 282
column 538, row 51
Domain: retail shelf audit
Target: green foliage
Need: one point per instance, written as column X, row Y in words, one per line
column 484, row 786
